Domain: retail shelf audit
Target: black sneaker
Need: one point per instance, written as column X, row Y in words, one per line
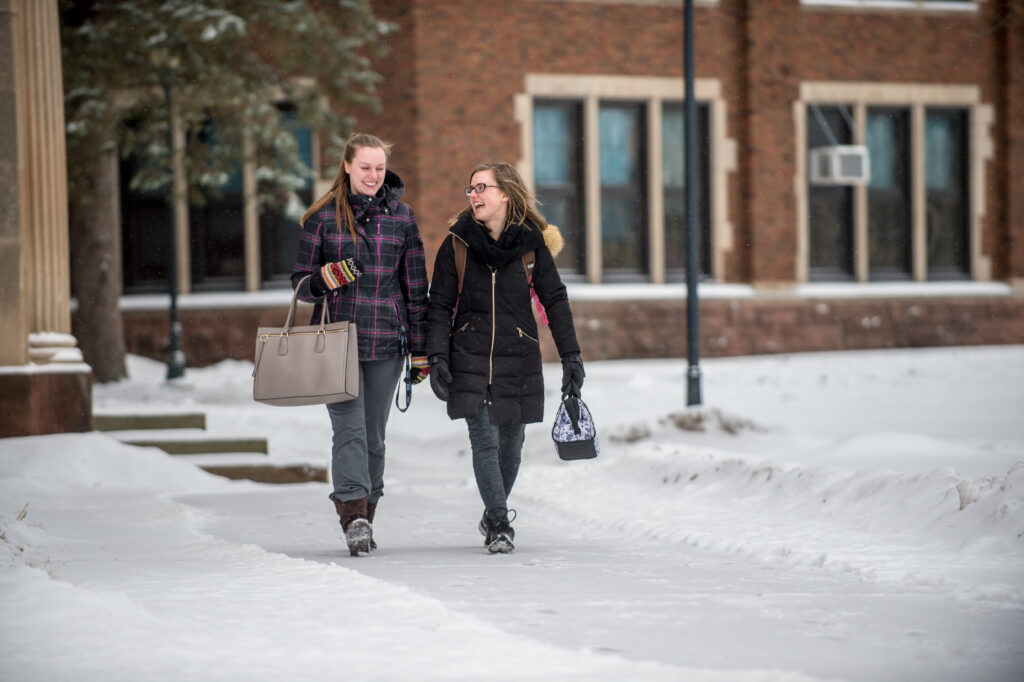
column 502, row 534
column 502, row 542
column 486, row 529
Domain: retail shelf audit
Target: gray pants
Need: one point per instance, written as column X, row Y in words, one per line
column 497, row 452
column 357, row 453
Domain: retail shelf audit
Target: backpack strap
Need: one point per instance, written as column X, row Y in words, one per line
column 528, row 260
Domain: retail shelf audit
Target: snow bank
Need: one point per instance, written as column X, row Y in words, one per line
column 934, row 528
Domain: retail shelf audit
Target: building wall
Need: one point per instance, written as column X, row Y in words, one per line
column 615, row 329
column 449, row 92
column 465, row 61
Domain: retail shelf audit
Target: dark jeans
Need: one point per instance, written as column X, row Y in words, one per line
column 357, row 454
column 497, row 452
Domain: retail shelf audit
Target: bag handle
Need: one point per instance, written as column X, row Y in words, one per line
column 324, row 317
column 572, row 409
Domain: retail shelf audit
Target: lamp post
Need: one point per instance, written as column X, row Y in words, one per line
column 692, row 260
column 166, row 63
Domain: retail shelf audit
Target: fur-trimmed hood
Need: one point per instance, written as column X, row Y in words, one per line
column 553, row 239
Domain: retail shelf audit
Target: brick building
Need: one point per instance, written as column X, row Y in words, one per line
column 586, row 97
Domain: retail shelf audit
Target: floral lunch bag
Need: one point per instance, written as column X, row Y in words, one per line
column 574, row 432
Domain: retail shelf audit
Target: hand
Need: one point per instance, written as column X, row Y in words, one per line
column 420, row 369
column 338, row 274
column 440, row 378
column 572, row 375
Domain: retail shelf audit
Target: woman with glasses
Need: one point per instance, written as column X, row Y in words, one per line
column 482, row 334
column 361, row 255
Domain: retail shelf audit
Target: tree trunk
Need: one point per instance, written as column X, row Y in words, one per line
column 96, row 281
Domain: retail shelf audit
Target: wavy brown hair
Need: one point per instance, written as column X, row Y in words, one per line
column 340, row 189
column 522, row 205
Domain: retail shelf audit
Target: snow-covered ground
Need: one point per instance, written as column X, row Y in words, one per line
column 849, row 516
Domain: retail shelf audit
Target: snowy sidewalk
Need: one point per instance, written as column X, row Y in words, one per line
column 598, row 589
column 858, row 517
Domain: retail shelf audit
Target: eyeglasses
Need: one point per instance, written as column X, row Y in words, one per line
column 478, row 188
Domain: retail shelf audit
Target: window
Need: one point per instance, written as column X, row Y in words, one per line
column 945, row 149
column 146, row 234
column 559, row 176
column 833, row 210
column 830, row 207
column 673, row 141
column 623, row 189
column 218, row 231
column 604, row 155
column 889, row 202
column 916, row 217
column 216, row 236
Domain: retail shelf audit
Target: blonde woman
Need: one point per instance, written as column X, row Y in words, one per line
column 482, row 334
column 363, row 256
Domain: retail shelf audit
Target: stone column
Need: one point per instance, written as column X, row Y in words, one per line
column 45, row 387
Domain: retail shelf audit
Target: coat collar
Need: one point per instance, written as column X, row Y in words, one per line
column 386, row 197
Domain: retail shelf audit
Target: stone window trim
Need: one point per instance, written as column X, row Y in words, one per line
column 917, row 97
column 665, row 3
column 653, row 91
column 964, row 7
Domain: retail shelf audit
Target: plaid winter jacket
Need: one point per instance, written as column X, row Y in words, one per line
column 388, row 302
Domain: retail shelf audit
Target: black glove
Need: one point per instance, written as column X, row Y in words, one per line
column 440, row 377
column 572, row 375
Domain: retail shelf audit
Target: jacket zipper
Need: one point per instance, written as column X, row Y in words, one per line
column 461, row 329
column 494, row 322
column 524, row 334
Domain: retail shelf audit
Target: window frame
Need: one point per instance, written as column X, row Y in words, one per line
column 651, row 92
column 917, row 98
column 572, row 191
column 953, row 6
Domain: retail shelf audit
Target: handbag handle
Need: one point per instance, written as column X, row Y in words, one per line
column 324, row 318
column 572, row 409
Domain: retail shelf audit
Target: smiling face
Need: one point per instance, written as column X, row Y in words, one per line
column 366, row 170
column 490, row 206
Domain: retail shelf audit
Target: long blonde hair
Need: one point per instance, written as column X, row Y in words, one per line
column 340, row 189
column 522, row 205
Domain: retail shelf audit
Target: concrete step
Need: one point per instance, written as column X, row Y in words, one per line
column 185, row 434
column 134, row 422
column 200, row 446
column 270, row 473
column 255, row 468
column 185, row 441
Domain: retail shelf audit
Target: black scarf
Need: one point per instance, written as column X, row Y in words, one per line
column 512, row 244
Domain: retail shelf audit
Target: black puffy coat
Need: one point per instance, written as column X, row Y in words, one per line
column 491, row 343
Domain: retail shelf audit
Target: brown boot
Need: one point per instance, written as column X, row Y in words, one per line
column 358, row 531
column 371, row 509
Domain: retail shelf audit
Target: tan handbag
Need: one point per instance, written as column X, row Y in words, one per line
column 311, row 365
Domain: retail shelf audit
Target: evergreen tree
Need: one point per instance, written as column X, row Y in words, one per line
column 227, row 64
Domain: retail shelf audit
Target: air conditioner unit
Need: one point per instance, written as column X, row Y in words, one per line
column 840, row 165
